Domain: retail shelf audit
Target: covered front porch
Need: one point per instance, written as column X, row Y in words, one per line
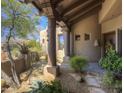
column 83, row 26
column 83, row 30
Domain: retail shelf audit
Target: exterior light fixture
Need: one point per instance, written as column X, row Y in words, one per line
column 96, row 43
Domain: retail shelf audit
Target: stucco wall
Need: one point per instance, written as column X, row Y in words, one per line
column 106, row 6
column 112, row 24
column 87, row 48
column 19, row 64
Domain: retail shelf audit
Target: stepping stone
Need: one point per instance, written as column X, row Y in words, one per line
column 92, row 81
column 75, row 76
column 96, row 90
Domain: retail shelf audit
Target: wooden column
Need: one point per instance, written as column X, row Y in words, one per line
column 52, row 41
column 51, row 69
column 67, row 43
column 71, row 43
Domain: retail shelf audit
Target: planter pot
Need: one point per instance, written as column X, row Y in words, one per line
column 78, row 77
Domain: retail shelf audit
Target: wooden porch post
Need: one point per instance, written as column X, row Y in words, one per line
column 66, row 44
column 71, row 43
column 51, row 69
column 52, row 41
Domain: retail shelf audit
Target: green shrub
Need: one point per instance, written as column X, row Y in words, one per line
column 111, row 61
column 78, row 63
column 46, row 87
column 109, row 81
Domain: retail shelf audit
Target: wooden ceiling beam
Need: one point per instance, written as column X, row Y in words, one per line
column 88, row 13
column 55, row 2
column 34, row 3
column 44, row 5
column 72, row 6
column 84, row 8
column 56, row 13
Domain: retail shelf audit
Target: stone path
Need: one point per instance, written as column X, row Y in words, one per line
column 94, row 67
column 94, row 84
column 67, row 79
column 92, row 78
column 69, row 83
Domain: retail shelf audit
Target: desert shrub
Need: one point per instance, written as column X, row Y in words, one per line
column 78, row 63
column 46, row 87
column 111, row 61
column 109, row 81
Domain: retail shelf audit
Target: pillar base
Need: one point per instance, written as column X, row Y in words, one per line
column 51, row 71
column 66, row 59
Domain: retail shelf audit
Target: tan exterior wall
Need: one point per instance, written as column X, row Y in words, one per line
column 106, row 6
column 86, row 48
column 112, row 24
column 110, row 8
column 19, row 64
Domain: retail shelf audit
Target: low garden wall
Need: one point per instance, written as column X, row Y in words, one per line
column 19, row 64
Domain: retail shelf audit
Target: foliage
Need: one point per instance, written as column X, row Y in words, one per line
column 17, row 15
column 78, row 63
column 45, row 87
column 33, row 45
column 108, row 79
column 16, row 23
column 111, row 61
column 111, row 82
column 15, row 52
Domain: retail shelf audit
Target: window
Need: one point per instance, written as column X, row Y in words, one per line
column 60, row 42
column 77, row 37
column 86, row 36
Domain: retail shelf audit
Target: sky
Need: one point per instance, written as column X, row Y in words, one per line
column 43, row 22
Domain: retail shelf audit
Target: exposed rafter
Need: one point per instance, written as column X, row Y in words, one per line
column 56, row 13
column 86, row 14
column 44, row 5
column 34, row 3
column 85, row 10
column 70, row 14
column 74, row 5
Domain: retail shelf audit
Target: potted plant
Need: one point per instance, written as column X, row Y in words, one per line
column 78, row 64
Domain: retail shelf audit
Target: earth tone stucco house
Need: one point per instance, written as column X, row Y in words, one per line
column 86, row 25
column 101, row 26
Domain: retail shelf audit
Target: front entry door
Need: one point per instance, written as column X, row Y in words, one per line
column 109, row 38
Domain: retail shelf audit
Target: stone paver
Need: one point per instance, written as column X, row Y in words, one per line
column 94, row 67
column 93, row 84
column 75, row 76
column 96, row 90
column 92, row 81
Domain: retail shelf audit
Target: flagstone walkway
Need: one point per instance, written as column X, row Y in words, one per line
column 68, row 79
column 92, row 78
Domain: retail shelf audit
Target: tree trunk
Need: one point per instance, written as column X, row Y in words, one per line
column 13, row 70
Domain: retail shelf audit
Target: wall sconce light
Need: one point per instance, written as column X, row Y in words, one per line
column 96, row 43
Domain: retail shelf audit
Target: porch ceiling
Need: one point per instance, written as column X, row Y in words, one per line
column 68, row 11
